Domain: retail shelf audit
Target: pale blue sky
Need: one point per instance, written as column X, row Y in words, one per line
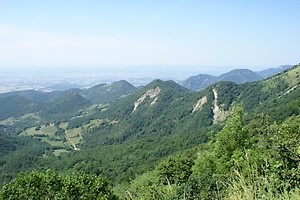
column 205, row 34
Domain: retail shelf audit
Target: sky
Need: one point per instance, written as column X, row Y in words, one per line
column 197, row 35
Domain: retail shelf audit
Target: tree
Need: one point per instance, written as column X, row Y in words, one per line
column 230, row 141
column 175, row 170
column 50, row 185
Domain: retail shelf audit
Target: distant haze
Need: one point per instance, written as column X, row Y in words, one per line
column 62, row 78
column 212, row 36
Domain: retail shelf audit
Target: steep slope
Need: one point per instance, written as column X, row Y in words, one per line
column 7, row 143
column 65, row 107
column 272, row 71
column 141, row 128
column 167, row 118
column 104, row 93
column 131, row 134
column 162, row 110
column 15, row 106
column 264, row 96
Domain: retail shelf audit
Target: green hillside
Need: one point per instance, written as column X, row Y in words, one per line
column 16, row 106
column 154, row 141
column 65, row 107
column 104, row 93
column 237, row 76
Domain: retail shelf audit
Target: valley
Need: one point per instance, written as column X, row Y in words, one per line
column 149, row 100
column 128, row 135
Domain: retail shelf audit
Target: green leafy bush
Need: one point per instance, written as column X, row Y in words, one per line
column 50, row 185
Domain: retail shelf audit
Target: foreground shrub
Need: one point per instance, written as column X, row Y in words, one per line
column 50, row 185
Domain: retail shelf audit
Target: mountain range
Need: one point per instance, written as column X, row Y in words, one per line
column 119, row 131
column 272, row 71
column 238, row 76
column 101, row 93
column 104, row 93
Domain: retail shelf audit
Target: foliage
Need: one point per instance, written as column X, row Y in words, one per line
column 175, row 170
column 120, row 144
column 65, row 107
column 16, row 106
column 256, row 186
column 256, row 161
column 104, row 93
column 50, row 185
column 259, row 151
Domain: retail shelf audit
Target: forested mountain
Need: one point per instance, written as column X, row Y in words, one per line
column 199, row 82
column 272, row 71
column 39, row 96
column 152, row 141
column 65, row 107
column 238, row 76
column 102, row 93
column 17, row 106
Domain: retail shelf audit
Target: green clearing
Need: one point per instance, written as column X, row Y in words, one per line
column 93, row 124
column 76, row 140
column 73, row 142
column 57, row 152
column 8, row 121
column 293, row 76
column 30, row 115
column 72, row 133
column 52, row 143
column 63, row 125
column 31, row 132
column 74, row 136
column 12, row 120
column 47, row 134
column 49, row 130
column 46, row 130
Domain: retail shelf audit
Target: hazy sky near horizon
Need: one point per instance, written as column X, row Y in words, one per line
column 204, row 34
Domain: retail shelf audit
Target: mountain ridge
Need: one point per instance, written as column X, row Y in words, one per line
column 238, row 76
column 114, row 141
column 272, row 71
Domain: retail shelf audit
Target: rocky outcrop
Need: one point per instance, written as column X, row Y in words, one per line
column 200, row 103
column 152, row 94
column 219, row 113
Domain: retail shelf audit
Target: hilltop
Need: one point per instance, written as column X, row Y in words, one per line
column 237, row 76
column 137, row 128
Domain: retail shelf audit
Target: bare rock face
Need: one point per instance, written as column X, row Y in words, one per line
column 152, row 94
column 219, row 113
column 200, row 104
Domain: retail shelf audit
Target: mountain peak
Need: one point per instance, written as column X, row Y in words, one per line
column 165, row 84
column 198, row 82
column 121, row 85
column 240, row 76
column 104, row 93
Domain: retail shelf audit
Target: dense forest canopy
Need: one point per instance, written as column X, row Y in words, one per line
column 160, row 141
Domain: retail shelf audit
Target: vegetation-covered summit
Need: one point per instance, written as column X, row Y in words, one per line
column 165, row 141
